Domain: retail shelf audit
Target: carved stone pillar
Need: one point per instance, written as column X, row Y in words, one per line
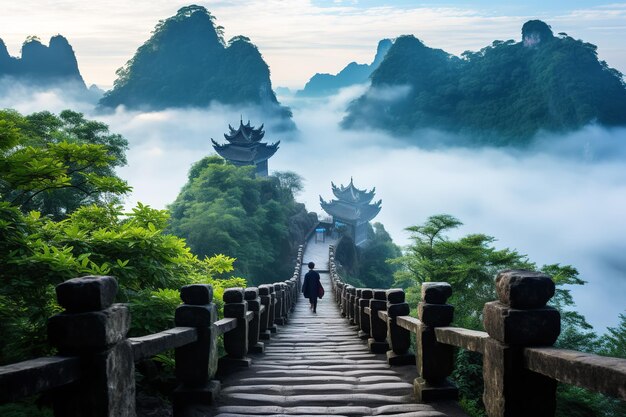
column 520, row 318
column 435, row 361
column 94, row 329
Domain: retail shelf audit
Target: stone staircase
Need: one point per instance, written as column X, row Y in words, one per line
column 317, row 366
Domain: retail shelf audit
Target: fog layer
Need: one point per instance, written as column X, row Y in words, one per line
column 560, row 202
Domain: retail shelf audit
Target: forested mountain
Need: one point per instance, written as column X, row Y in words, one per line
column 42, row 65
column 186, row 62
column 503, row 94
column 353, row 73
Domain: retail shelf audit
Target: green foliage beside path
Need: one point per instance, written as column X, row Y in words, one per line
column 226, row 209
column 367, row 266
column 59, row 219
column 469, row 265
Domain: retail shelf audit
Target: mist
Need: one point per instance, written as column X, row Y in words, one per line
column 561, row 201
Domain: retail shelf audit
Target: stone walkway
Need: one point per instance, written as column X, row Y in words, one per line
column 317, row 366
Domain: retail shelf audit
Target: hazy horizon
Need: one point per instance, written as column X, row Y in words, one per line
column 302, row 37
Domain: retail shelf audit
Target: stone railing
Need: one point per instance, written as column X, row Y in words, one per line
column 520, row 366
column 93, row 374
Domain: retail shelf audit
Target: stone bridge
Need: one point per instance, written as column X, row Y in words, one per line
column 362, row 354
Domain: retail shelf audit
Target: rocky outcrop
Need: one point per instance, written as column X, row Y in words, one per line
column 353, row 73
column 42, row 65
column 187, row 63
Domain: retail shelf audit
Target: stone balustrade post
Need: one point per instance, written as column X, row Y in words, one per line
column 94, row 329
column 266, row 299
column 344, row 300
column 378, row 327
column 286, row 301
column 350, row 298
column 357, row 314
column 251, row 295
column 338, row 293
column 280, row 303
column 235, row 340
column 520, row 318
column 366, row 295
column 289, row 298
column 280, row 299
column 271, row 326
column 435, row 361
column 399, row 338
column 287, row 305
column 196, row 363
column 293, row 283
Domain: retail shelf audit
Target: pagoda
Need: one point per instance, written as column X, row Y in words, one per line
column 352, row 209
column 245, row 147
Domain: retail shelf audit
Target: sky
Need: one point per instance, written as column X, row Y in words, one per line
column 301, row 37
column 562, row 203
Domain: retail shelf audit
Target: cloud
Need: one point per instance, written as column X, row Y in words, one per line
column 560, row 202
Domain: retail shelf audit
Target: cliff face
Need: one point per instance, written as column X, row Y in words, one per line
column 503, row 94
column 186, row 62
column 353, row 73
column 42, row 65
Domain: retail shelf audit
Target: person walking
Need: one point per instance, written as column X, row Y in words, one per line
column 311, row 286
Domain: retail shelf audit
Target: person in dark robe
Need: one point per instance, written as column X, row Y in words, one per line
column 311, row 286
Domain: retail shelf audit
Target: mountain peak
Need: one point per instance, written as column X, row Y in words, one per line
column 353, row 73
column 536, row 31
column 383, row 47
column 4, row 52
column 41, row 64
column 186, row 62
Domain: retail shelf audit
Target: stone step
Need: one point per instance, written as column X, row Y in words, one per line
column 324, row 372
column 319, row 356
column 321, row 362
column 338, row 367
column 381, row 388
column 363, row 399
column 270, row 348
column 307, row 378
column 345, row 342
column 386, row 410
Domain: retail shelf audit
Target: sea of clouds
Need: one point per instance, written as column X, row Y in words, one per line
column 559, row 202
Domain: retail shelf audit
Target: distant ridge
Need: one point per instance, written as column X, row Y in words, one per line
column 504, row 94
column 353, row 73
column 187, row 63
column 42, row 65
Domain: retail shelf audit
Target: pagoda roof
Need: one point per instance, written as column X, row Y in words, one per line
column 244, row 134
column 246, row 154
column 353, row 195
column 348, row 212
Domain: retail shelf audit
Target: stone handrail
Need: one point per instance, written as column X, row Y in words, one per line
column 90, row 336
column 224, row 325
column 520, row 368
column 151, row 345
column 593, row 372
column 34, row 376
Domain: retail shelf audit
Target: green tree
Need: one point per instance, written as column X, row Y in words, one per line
column 469, row 265
column 368, row 266
column 54, row 164
column 226, row 209
column 614, row 342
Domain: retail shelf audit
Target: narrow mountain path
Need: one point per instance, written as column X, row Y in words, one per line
column 317, row 366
